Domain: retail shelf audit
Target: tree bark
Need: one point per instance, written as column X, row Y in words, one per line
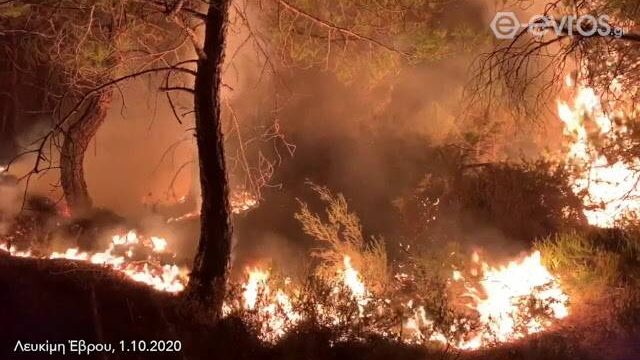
column 9, row 110
column 75, row 144
column 8, row 115
column 211, row 265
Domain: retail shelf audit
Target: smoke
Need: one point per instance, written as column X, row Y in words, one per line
column 373, row 145
column 9, row 201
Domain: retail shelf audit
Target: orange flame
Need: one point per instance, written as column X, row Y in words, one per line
column 119, row 256
column 612, row 188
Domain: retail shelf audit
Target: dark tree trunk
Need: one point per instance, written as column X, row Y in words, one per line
column 9, row 110
column 211, row 264
column 76, row 140
column 8, row 114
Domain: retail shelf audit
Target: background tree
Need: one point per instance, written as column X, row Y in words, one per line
column 87, row 44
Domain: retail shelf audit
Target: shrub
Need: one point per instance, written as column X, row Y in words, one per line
column 340, row 235
column 601, row 266
column 524, row 201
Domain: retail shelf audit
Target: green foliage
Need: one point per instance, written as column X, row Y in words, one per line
column 625, row 9
column 87, row 42
column 363, row 40
column 431, row 264
column 420, row 288
column 582, row 263
column 525, row 200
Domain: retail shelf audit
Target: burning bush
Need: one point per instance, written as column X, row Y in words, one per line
column 341, row 235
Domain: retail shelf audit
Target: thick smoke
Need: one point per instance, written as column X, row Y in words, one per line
column 370, row 144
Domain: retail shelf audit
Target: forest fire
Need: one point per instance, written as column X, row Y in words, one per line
column 510, row 302
column 502, row 300
column 287, row 179
column 609, row 187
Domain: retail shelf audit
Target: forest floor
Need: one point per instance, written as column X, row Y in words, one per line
column 59, row 300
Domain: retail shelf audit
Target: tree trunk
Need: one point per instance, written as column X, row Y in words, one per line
column 9, row 110
column 211, row 264
column 8, row 116
column 76, row 140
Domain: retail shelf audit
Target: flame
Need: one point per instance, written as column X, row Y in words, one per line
column 240, row 202
column 119, row 256
column 274, row 310
column 159, row 244
column 256, row 283
column 351, row 280
column 14, row 252
column 497, row 298
column 503, row 288
column 611, row 188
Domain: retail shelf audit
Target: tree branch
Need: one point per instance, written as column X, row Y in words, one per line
column 345, row 31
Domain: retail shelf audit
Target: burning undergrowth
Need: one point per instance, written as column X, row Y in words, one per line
column 446, row 298
column 442, row 296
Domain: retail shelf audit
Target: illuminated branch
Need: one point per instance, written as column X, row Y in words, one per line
column 331, row 26
column 177, row 88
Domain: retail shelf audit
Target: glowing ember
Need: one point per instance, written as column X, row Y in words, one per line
column 240, row 201
column 612, row 189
